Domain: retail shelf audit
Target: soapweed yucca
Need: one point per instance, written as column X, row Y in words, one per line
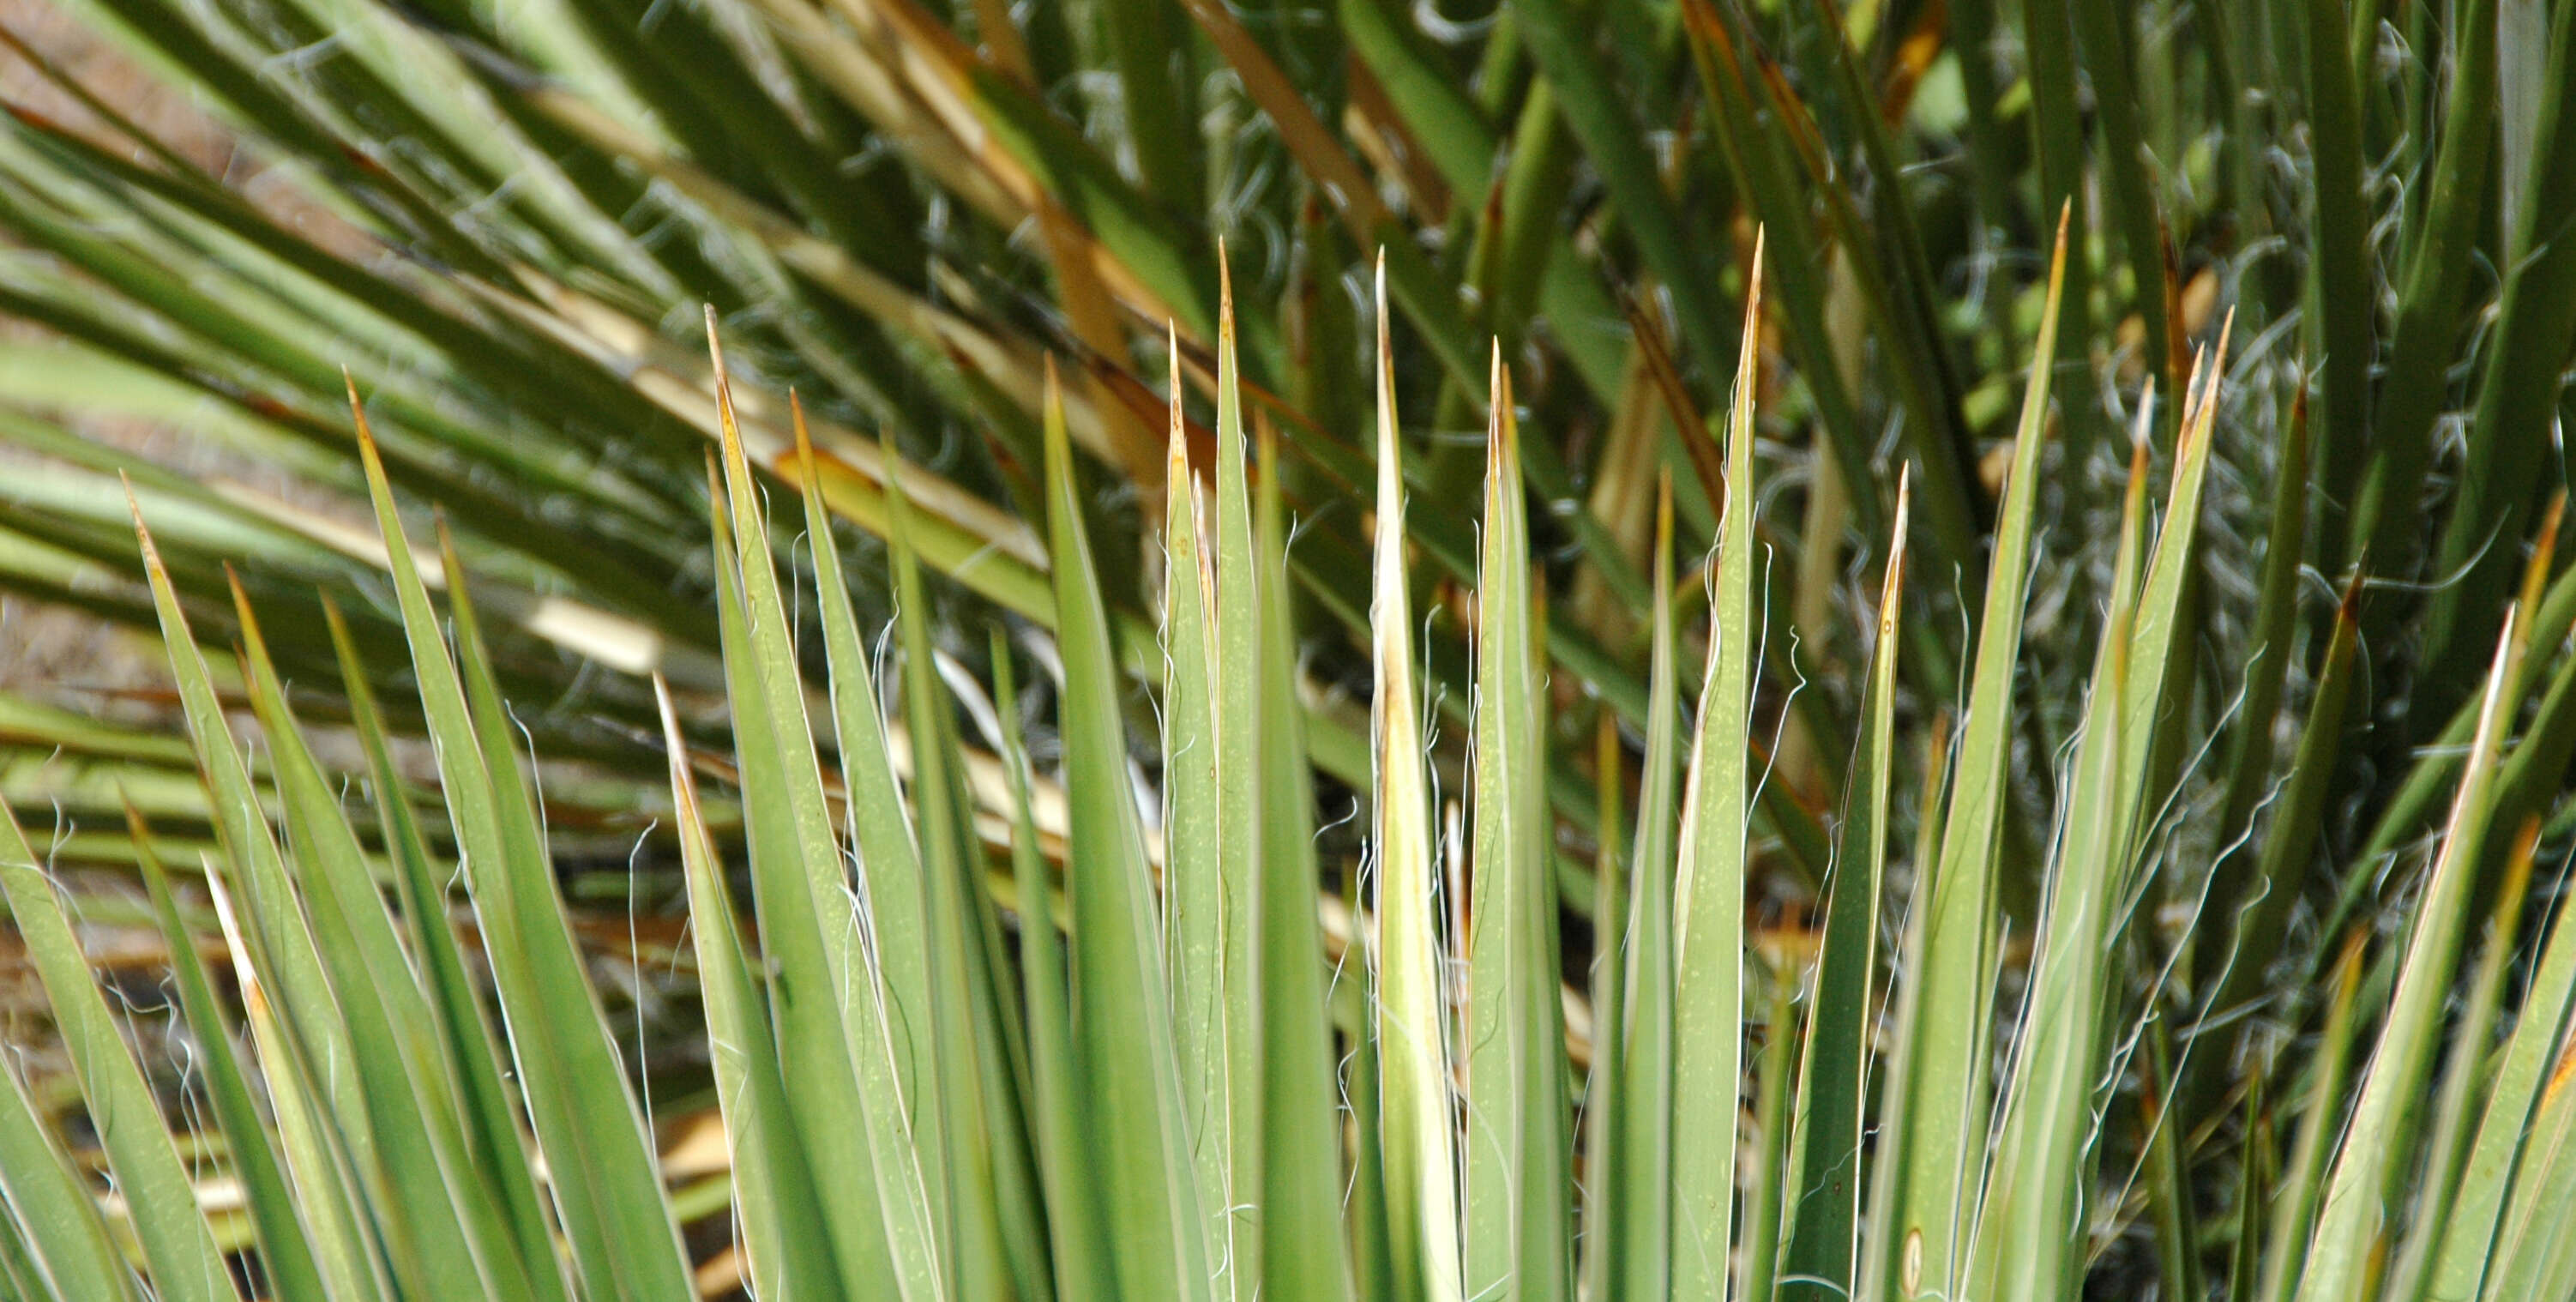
column 2092, row 913
column 1153, row 1104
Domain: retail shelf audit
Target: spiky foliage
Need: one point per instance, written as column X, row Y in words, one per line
column 899, row 1122
column 2115, row 1039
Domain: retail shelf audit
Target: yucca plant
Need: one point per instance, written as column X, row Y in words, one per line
column 1421, row 970
column 1153, row 1111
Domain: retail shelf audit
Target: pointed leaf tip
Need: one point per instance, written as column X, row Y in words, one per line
column 1224, row 292
column 805, row 465
column 1178, row 453
column 142, row 534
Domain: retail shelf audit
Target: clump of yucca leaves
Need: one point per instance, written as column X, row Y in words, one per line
column 1152, row 1112
column 2231, row 783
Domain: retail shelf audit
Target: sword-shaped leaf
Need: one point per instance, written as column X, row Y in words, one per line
column 1833, row 1077
column 1301, row 1169
column 2028, row 1243
column 787, row 1248
column 1196, row 899
column 991, row 1185
column 285, row 1249
column 449, row 1213
column 1944, row 1140
column 1708, row 892
column 810, row 962
column 1410, row 996
column 606, row 1185
column 499, row 1148
column 65, row 1242
column 1641, row 1233
column 1076, row 1239
column 2464, row 1081
column 1235, row 604
column 1518, row 1135
column 2383, row 1118
column 835, row 982
column 1142, row 1141
column 348, row 1241
column 2497, row 1158
column 187, row 1264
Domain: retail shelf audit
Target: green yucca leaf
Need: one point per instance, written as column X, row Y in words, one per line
column 2057, row 149
column 1946, row 1076
column 1709, row 881
column 284, row 1246
column 1883, row 1266
column 17, row 1267
column 900, row 210
column 624, row 1198
column 837, row 985
column 177, row 1243
column 1594, row 113
column 1198, row 899
column 2037, row 1187
column 1761, row 1232
column 448, row 1217
column 1905, row 300
column 2253, row 1199
column 286, row 1251
column 33, row 723
column 280, row 943
column 2534, row 331
column 2270, row 897
column 2537, row 768
column 1760, row 163
column 496, row 1146
column 1427, row 294
column 2533, row 1260
column 2446, row 1148
column 2494, row 1169
column 1369, row 1208
column 1519, row 1215
column 2303, row 1180
column 1641, row 1234
column 792, row 895
column 605, row 1189
column 2179, row 1248
column 1517, row 240
column 990, row 1187
column 2129, row 189
column 2418, row 799
column 1628, row 1101
column 65, row 1243
column 1156, row 64
column 1120, row 988
column 2429, row 300
column 1302, row 1176
column 2384, row 1119
column 2338, row 271
column 1833, row 1073
column 2151, row 694
column 1410, row 990
column 1077, row 1239
column 2249, row 765
column 1603, row 1117
column 1235, row 640
column 346, row 1244
column 1460, row 141
column 782, row 1224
